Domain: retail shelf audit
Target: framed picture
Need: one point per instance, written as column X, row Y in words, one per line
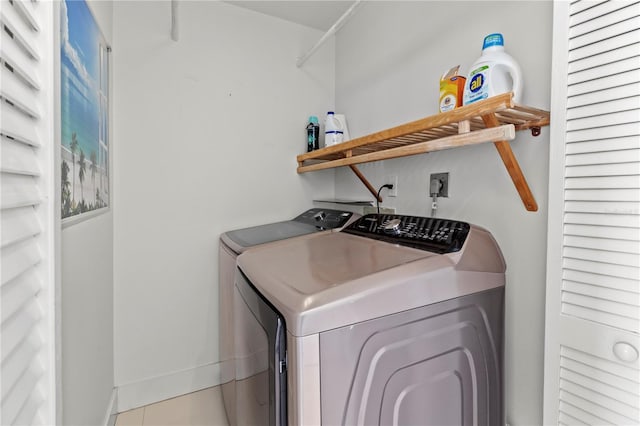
column 84, row 90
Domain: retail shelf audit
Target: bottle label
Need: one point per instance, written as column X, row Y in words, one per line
column 313, row 133
column 477, row 85
column 310, row 140
column 332, row 137
column 448, row 102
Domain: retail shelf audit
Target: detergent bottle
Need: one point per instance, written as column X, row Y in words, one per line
column 495, row 72
column 313, row 134
column 333, row 132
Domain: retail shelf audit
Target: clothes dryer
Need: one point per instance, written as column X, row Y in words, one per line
column 312, row 222
column 394, row 320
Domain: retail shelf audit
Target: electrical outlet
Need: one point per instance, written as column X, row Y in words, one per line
column 393, row 180
column 443, row 178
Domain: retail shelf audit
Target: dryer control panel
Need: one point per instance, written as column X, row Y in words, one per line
column 426, row 233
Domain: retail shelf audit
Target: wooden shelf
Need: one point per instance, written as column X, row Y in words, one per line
column 496, row 120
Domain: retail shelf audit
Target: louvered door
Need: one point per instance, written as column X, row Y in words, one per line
column 592, row 373
column 27, row 373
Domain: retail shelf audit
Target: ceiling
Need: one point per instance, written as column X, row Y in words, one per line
column 319, row 14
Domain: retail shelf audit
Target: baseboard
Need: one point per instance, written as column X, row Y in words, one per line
column 155, row 389
column 112, row 409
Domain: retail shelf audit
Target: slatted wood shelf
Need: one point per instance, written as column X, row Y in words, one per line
column 492, row 120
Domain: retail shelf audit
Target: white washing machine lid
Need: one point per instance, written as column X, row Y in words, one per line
column 339, row 279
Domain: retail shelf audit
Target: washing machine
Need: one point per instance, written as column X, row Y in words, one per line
column 312, row 222
column 395, row 320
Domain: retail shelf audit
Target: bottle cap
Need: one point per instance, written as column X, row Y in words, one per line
column 313, row 119
column 494, row 39
column 330, row 113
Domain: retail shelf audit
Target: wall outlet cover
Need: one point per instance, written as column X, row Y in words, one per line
column 393, row 180
column 444, row 180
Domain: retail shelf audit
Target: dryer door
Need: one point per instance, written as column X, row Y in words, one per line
column 260, row 347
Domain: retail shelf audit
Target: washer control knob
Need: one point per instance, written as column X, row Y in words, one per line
column 320, row 216
column 392, row 226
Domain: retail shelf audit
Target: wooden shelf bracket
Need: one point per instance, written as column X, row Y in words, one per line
column 366, row 183
column 513, row 167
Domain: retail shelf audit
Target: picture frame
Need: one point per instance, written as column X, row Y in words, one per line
column 84, row 112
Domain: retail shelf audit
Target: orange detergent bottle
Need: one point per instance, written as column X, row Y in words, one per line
column 451, row 89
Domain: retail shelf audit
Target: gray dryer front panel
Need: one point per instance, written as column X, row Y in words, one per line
column 435, row 365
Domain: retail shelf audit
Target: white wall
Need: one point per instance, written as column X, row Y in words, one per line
column 87, row 303
column 389, row 59
column 87, row 321
column 206, row 132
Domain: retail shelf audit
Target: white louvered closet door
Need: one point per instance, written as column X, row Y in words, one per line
column 592, row 372
column 27, row 203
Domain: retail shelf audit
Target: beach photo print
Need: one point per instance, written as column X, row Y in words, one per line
column 84, row 67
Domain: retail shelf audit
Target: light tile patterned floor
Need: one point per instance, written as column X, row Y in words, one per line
column 198, row 408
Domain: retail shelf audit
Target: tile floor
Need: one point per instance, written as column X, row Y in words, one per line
column 198, row 408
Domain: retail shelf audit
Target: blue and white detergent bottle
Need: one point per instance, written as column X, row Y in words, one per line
column 333, row 132
column 495, row 72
